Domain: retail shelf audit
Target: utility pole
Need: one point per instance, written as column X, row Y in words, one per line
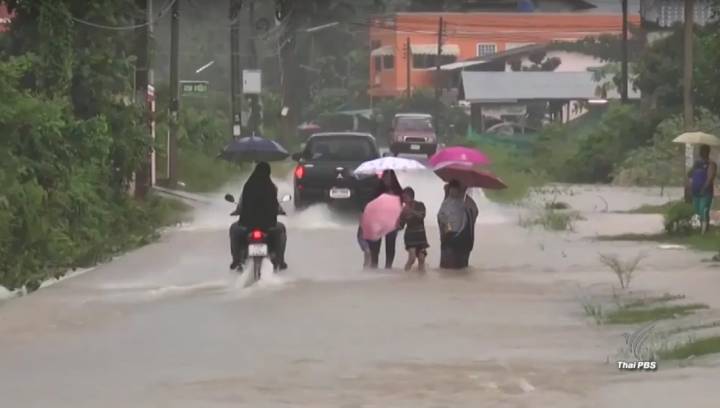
column 440, row 35
column 624, row 85
column 254, row 108
column 234, row 68
column 687, row 83
column 175, row 95
column 688, row 63
column 143, row 178
column 408, row 65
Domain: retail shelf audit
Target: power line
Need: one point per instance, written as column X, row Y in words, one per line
column 161, row 14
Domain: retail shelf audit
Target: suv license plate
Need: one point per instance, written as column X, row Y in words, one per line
column 415, row 147
column 257, row 250
column 340, row 193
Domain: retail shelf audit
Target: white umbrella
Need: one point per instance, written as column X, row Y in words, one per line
column 697, row 138
column 387, row 163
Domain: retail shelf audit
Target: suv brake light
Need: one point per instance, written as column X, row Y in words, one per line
column 299, row 171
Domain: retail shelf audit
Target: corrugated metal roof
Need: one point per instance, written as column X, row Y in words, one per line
column 515, row 86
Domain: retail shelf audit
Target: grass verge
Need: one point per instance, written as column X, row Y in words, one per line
column 514, row 168
column 552, row 220
column 202, row 174
column 707, row 242
column 625, row 315
column 693, row 348
column 663, row 208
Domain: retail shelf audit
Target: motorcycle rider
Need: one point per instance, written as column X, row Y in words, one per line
column 258, row 208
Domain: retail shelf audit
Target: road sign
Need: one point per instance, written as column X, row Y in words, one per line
column 194, row 88
column 252, row 81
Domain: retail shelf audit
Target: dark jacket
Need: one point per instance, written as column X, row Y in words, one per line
column 259, row 203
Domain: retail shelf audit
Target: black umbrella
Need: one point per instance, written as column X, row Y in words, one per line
column 253, row 149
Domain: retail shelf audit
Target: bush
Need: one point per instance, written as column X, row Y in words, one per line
column 678, row 218
column 661, row 163
column 622, row 129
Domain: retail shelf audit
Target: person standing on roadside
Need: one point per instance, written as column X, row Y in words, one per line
column 702, row 186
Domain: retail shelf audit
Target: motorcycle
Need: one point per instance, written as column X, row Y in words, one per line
column 259, row 244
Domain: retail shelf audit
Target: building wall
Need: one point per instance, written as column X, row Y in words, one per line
column 467, row 30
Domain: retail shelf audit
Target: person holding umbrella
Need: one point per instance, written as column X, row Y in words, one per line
column 258, row 208
column 701, row 178
column 389, row 184
column 453, row 221
column 467, row 236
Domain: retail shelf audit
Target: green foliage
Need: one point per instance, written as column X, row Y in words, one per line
column 692, row 348
column 660, row 70
column 515, row 168
column 607, row 47
column 662, row 162
column 678, row 217
column 203, row 173
column 71, row 141
column 622, row 129
column 552, row 220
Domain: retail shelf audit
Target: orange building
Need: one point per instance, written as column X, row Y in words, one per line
column 467, row 35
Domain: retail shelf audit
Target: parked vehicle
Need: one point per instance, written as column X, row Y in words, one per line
column 413, row 133
column 325, row 169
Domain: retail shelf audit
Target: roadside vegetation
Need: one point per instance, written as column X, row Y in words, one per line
column 680, row 228
column 551, row 220
column 71, row 141
column 625, row 309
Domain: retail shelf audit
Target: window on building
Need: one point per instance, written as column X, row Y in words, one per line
column 378, row 63
column 389, row 62
column 485, row 50
column 447, row 59
column 425, row 61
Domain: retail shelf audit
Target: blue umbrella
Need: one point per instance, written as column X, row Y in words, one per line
column 253, row 149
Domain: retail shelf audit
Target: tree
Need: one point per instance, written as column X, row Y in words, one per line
column 539, row 60
column 661, row 162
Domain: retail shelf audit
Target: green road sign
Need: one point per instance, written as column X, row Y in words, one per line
column 194, row 88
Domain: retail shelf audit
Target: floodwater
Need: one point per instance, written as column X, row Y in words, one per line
column 169, row 326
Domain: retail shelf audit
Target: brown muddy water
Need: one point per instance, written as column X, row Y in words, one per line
column 168, row 326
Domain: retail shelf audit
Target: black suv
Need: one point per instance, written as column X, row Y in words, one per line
column 325, row 169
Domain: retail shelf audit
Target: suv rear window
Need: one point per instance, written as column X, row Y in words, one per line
column 340, row 148
column 414, row 124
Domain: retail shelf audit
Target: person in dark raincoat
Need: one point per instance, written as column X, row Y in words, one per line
column 258, row 208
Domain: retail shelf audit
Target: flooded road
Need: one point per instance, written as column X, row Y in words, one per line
column 168, row 326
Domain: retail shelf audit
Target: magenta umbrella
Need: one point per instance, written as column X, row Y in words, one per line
column 470, row 176
column 459, row 154
column 380, row 217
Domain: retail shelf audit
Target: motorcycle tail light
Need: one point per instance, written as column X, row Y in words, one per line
column 299, row 172
column 256, row 235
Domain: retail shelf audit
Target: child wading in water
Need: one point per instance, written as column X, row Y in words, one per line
column 413, row 218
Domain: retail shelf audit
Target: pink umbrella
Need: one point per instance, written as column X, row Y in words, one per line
column 380, row 217
column 459, row 154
